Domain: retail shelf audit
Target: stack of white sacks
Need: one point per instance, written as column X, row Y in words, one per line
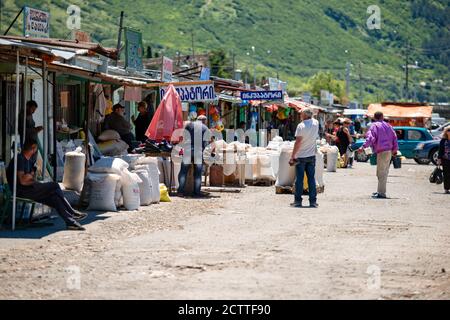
column 131, row 181
column 286, row 174
column 269, row 163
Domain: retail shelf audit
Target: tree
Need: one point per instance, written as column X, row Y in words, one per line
column 326, row 81
column 220, row 64
column 149, row 52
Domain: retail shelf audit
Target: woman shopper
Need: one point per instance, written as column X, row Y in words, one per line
column 444, row 158
column 344, row 140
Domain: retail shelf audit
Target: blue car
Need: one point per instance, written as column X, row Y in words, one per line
column 408, row 139
column 427, row 152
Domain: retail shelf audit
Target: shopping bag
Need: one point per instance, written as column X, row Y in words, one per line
column 437, row 176
column 397, row 161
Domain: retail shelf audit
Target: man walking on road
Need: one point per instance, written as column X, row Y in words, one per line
column 383, row 140
column 304, row 157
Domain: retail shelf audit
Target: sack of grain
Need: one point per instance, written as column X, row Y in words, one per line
column 102, row 192
column 74, row 166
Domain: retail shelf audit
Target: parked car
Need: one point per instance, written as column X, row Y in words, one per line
column 437, row 133
column 408, row 139
column 427, row 152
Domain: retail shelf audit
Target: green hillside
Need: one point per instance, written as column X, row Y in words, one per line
column 303, row 36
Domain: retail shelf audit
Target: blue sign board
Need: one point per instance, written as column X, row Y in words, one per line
column 262, row 95
column 206, row 74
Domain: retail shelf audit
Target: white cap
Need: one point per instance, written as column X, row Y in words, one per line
column 202, row 117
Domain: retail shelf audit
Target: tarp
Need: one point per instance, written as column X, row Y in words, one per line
column 401, row 111
column 168, row 117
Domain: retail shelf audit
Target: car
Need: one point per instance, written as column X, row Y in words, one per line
column 427, row 152
column 437, row 133
column 408, row 139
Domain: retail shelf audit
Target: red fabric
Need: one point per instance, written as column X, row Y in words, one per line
column 168, row 117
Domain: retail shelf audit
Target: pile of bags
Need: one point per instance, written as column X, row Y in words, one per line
column 130, row 182
column 110, row 144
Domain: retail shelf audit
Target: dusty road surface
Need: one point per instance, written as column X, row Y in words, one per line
column 249, row 246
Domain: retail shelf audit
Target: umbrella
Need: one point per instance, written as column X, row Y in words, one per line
column 168, row 117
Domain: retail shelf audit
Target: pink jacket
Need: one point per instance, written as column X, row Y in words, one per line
column 381, row 137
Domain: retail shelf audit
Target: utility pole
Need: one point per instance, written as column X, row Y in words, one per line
column 119, row 40
column 193, row 48
column 347, row 81
column 233, row 55
column 360, row 86
column 407, row 72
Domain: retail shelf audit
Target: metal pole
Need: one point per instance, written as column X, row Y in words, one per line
column 407, row 72
column 16, row 134
column 254, row 70
column 119, row 40
column 25, row 99
column 45, row 124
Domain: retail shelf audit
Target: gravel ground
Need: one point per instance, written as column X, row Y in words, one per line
column 250, row 245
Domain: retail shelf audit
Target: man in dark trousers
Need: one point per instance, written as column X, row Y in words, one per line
column 49, row 193
column 142, row 122
column 193, row 154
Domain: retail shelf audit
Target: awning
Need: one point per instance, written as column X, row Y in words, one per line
column 401, row 111
column 355, row 112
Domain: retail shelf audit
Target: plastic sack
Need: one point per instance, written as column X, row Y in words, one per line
column 145, row 189
column 109, row 165
column 153, row 173
column 132, row 159
column 286, row 173
column 131, row 191
column 164, row 193
column 74, row 166
column 102, row 193
column 109, row 135
column 320, row 165
column 332, row 159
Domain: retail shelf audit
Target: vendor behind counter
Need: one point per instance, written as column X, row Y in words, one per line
column 116, row 121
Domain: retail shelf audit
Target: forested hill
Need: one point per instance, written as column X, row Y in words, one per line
column 303, row 37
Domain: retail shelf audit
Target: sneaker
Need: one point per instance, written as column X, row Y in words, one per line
column 447, row 191
column 79, row 216
column 75, row 227
column 379, row 196
column 314, row 205
column 296, row 205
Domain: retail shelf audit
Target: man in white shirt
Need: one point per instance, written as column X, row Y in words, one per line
column 304, row 158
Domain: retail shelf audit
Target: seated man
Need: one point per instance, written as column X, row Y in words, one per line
column 49, row 194
column 116, row 121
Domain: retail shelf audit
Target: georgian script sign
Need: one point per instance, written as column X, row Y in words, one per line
column 36, row 23
column 262, row 95
column 193, row 93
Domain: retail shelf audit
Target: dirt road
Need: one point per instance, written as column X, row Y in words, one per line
column 249, row 246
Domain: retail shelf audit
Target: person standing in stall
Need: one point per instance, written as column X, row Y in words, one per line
column 142, row 122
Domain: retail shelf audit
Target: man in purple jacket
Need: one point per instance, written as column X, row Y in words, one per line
column 383, row 140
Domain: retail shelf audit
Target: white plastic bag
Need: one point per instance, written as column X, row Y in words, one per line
column 131, row 191
column 109, row 165
column 145, row 189
column 332, row 159
column 319, row 169
column 74, row 166
column 286, row 173
column 132, row 160
column 102, row 192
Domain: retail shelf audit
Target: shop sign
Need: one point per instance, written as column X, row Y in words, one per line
column 134, row 49
column 193, row 93
column 262, row 95
column 276, row 84
column 36, row 23
column 167, row 70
